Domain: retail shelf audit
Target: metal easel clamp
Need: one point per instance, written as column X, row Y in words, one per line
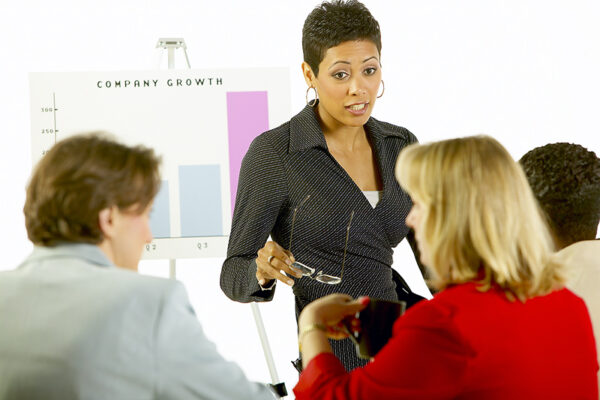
column 171, row 44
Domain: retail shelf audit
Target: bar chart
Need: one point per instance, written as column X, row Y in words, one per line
column 200, row 122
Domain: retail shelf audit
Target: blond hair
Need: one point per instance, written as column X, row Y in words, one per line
column 480, row 219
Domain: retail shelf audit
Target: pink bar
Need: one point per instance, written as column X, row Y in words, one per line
column 247, row 117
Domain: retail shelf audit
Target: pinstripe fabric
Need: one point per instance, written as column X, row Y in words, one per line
column 283, row 166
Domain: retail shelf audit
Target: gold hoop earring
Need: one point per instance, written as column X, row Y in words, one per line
column 383, row 91
column 312, row 102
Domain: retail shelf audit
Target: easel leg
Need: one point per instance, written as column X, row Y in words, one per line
column 172, row 269
column 278, row 386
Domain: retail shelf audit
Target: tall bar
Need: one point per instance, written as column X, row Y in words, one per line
column 247, row 117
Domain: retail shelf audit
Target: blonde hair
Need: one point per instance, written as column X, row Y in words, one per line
column 480, row 219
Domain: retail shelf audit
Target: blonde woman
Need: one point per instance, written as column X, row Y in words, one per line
column 502, row 326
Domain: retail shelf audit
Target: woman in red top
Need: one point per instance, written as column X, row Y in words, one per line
column 502, row 326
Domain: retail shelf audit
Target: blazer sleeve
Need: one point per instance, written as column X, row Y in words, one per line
column 262, row 191
column 188, row 365
column 427, row 358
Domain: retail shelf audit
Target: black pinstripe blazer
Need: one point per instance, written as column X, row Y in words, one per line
column 283, row 166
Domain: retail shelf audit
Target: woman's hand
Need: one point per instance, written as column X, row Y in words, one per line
column 322, row 319
column 273, row 262
column 331, row 311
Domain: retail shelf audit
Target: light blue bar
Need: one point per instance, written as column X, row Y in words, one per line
column 200, row 200
column 160, row 223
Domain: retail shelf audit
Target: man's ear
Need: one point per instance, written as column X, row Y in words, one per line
column 308, row 74
column 106, row 221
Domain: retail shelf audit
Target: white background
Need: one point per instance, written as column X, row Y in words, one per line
column 523, row 71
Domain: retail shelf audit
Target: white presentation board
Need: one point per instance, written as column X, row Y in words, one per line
column 201, row 122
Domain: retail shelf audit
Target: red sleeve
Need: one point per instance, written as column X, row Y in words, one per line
column 427, row 358
column 312, row 375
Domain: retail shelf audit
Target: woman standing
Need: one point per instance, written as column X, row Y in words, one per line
column 322, row 184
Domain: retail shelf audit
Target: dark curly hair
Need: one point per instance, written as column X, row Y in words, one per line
column 335, row 22
column 79, row 177
column 565, row 178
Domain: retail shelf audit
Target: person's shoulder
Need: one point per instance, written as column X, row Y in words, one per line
column 266, row 149
column 268, row 145
column 562, row 304
column 439, row 307
column 135, row 284
column 583, row 254
column 565, row 297
column 439, row 316
column 273, row 137
column 446, row 303
column 395, row 131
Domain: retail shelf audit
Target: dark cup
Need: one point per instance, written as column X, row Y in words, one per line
column 376, row 322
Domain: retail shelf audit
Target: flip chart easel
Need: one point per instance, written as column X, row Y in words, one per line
column 172, row 44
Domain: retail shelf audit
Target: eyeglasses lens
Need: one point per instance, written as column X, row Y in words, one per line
column 305, row 270
column 328, row 279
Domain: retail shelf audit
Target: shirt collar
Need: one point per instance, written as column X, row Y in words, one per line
column 306, row 133
column 85, row 251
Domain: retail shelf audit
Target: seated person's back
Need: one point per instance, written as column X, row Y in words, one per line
column 565, row 179
column 74, row 325
column 516, row 347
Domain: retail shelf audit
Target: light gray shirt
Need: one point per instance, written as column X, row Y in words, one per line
column 74, row 326
column 583, row 261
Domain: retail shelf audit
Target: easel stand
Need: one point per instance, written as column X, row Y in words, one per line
column 171, row 44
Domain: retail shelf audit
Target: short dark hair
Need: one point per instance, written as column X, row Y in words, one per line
column 565, row 179
column 79, row 177
column 335, row 22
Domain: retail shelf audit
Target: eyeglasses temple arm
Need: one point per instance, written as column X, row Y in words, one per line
column 346, row 244
column 294, row 221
